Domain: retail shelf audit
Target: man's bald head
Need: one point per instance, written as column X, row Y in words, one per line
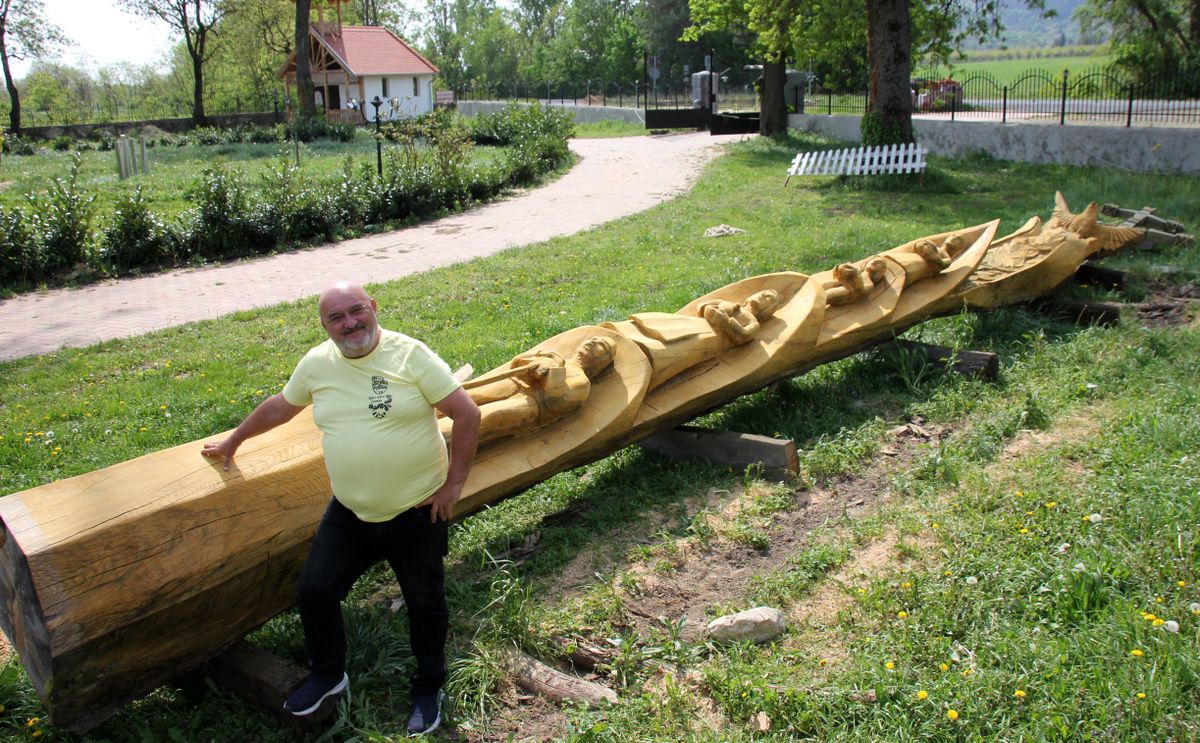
column 348, row 315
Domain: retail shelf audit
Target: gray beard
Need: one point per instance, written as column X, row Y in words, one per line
column 353, row 350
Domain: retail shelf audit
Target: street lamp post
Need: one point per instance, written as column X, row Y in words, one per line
column 377, row 102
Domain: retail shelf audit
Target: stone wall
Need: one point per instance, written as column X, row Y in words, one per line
column 1156, row 149
column 583, row 114
column 83, row 131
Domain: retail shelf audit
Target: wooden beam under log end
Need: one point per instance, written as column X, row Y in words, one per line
column 979, row 364
column 777, row 456
column 264, row 680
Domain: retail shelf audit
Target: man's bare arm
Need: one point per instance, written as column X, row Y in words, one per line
column 464, row 436
column 272, row 412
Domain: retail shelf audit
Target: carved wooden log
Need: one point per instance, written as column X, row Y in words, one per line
column 114, row 581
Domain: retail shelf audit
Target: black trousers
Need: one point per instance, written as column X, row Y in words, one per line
column 343, row 550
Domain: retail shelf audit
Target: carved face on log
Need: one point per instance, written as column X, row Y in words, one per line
column 762, row 304
column 595, row 354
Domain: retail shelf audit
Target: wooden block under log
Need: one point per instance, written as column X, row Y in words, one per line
column 264, row 680
column 978, row 364
column 1090, row 274
column 777, row 456
column 1105, row 314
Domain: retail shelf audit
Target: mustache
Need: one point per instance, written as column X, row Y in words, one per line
column 355, row 329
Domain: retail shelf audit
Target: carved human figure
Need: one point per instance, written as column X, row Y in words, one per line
column 539, row 389
column 676, row 342
column 854, row 284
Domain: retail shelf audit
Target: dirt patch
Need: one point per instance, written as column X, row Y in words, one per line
column 720, row 573
column 520, row 717
column 1075, row 427
column 1168, row 304
column 5, row 184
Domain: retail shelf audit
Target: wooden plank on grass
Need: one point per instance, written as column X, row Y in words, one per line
column 264, row 680
column 978, row 364
column 778, row 456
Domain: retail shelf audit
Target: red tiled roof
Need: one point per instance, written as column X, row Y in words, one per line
column 373, row 50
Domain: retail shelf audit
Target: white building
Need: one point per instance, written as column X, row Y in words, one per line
column 351, row 65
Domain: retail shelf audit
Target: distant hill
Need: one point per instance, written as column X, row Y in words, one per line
column 1026, row 28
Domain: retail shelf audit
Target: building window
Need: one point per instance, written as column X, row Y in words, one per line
column 385, row 90
column 416, row 88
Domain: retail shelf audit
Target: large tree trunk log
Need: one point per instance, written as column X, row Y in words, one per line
column 114, row 581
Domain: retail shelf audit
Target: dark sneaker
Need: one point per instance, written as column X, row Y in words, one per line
column 316, row 689
column 426, row 713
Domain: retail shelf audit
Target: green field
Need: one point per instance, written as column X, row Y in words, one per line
column 1022, row 565
column 1008, row 71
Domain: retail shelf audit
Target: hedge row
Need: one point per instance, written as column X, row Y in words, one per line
column 57, row 238
column 104, row 140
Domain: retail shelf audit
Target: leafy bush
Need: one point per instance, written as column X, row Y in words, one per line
column 64, row 218
column 136, row 238
column 225, row 225
column 294, row 209
column 15, row 144
column 517, row 123
column 207, row 135
column 20, row 249
column 62, row 142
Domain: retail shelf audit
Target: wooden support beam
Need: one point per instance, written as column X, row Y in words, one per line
column 1153, row 238
column 978, row 364
column 1105, row 314
column 777, row 456
column 264, row 680
column 1092, row 275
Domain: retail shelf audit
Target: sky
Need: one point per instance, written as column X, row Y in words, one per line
column 102, row 35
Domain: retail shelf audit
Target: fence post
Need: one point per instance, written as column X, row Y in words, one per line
column 829, row 102
column 1062, row 111
column 1004, row 106
column 953, row 107
column 1129, row 111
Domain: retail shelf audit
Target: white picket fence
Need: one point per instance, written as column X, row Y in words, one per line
column 894, row 158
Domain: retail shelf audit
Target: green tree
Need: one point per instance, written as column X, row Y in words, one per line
column 196, row 20
column 304, row 83
column 771, row 23
column 1148, row 37
column 24, row 33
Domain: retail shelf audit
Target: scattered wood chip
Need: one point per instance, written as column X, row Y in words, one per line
column 722, row 230
column 761, row 722
column 889, row 451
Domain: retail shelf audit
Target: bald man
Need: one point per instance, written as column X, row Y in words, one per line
column 374, row 393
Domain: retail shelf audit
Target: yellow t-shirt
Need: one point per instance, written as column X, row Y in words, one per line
column 383, row 451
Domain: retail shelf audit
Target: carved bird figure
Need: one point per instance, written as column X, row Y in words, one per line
column 1087, row 225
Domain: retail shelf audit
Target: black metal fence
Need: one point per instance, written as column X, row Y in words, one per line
column 1100, row 95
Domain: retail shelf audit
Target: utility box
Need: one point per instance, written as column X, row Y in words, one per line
column 704, row 90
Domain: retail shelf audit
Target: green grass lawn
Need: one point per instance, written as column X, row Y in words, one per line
column 991, row 578
column 174, row 171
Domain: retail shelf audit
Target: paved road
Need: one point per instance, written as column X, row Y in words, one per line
column 614, row 178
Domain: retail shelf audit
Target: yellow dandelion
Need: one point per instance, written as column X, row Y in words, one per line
column 945, row 666
column 143, row 428
column 32, row 721
column 822, row 663
column 1181, row 584
column 1029, row 513
column 1159, row 622
column 1024, row 531
column 906, row 584
column 952, row 714
column 1136, row 653
column 37, row 733
column 889, row 665
column 968, row 672
column 1020, row 494
column 922, row 695
column 1019, row 693
column 902, row 615
column 1148, row 616
column 936, row 525
column 1140, row 695
column 1051, row 504
column 1158, row 599
column 162, row 407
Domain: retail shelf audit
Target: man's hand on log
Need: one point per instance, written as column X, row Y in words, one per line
column 223, row 450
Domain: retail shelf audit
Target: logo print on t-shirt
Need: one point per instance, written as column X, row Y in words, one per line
column 379, row 403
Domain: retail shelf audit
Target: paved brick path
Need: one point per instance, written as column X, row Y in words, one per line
column 614, row 178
